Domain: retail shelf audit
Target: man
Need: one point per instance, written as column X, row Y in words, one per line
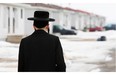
column 41, row 52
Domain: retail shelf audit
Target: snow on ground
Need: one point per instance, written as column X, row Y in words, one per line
column 79, row 53
column 80, row 56
column 8, row 66
column 8, row 50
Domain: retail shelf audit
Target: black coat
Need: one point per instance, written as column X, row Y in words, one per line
column 41, row 52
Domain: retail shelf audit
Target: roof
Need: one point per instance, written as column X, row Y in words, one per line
column 67, row 8
column 56, row 7
column 59, row 7
column 46, row 5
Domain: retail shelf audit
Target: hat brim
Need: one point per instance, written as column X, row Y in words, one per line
column 41, row 19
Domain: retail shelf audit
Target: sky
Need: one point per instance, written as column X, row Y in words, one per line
column 107, row 10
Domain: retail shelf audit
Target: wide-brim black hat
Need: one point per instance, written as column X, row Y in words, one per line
column 41, row 16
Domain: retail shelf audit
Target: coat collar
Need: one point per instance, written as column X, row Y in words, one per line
column 40, row 32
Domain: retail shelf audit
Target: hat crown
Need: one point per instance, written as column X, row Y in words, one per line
column 41, row 14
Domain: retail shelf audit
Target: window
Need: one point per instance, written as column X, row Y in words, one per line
column 8, row 19
column 14, row 18
column 21, row 13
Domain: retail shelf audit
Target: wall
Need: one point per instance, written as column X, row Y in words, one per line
column 3, row 29
column 28, row 25
column 11, row 20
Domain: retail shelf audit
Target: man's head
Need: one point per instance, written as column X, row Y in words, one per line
column 41, row 19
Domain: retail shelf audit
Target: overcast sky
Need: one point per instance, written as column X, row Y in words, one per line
column 107, row 10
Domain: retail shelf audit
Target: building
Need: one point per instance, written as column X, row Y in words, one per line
column 13, row 18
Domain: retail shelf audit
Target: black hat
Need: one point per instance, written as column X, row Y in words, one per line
column 41, row 16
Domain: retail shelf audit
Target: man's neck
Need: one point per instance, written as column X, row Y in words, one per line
column 42, row 29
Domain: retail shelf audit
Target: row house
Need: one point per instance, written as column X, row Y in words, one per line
column 13, row 18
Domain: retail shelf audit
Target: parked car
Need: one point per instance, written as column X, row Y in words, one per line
column 96, row 28
column 73, row 28
column 110, row 27
column 62, row 30
column 102, row 38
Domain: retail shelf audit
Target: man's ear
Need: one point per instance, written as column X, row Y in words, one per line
column 47, row 26
column 34, row 27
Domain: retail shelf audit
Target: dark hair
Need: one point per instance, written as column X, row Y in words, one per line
column 40, row 24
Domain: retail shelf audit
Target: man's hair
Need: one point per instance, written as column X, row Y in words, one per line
column 40, row 24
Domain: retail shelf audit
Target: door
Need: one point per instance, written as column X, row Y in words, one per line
column 11, row 20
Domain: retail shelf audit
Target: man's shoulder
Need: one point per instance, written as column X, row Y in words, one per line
column 53, row 36
column 26, row 38
column 49, row 36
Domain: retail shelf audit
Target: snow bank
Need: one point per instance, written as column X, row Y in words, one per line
column 111, row 34
column 8, row 50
